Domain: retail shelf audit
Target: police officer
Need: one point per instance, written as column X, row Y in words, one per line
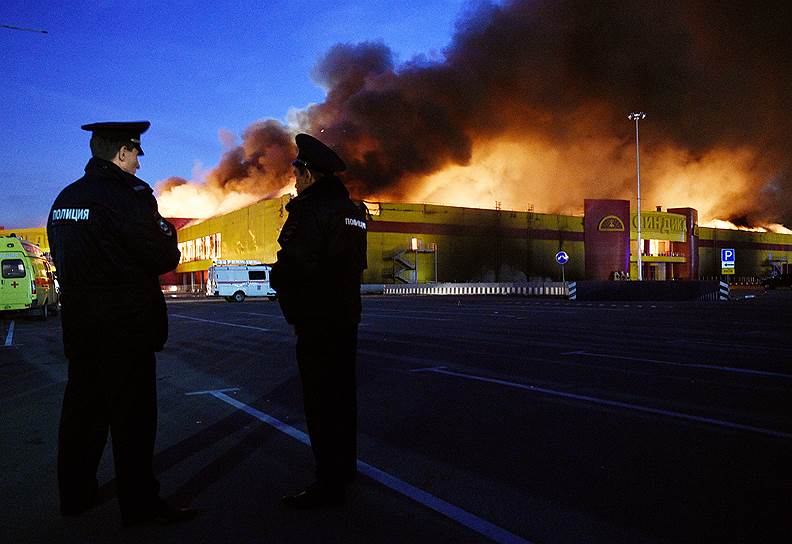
column 110, row 245
column 317, row 277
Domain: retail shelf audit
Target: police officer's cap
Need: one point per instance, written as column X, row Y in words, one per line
column 314, row 154
column 120, row 131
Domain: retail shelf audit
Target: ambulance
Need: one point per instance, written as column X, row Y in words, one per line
column 27, row 279
column 236, row 280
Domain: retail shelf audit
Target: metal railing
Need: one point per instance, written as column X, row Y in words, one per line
column 557, row 289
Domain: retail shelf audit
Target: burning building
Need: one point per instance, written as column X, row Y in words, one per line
column 419, row 243
column 527, row 107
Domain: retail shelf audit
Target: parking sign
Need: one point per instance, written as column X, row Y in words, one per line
column 727, row 258
column 727, row 261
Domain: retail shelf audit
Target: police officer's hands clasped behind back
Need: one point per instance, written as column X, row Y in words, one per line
column 110, row 245
column 317, row 277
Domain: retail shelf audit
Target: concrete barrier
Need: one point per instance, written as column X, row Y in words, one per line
column 723, row 292
column 648, row 290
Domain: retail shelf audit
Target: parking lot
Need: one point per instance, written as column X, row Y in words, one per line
column 481, row 419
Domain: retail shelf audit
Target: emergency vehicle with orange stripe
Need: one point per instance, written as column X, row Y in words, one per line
column 27, row 279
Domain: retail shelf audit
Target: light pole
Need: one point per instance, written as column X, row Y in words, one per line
column 10, row 27
column 638, row 116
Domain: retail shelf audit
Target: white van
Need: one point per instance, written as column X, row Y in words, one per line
column 236, row 280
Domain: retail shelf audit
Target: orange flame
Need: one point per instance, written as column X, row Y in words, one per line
column 728, row 225
column 531, row 172
column 200, row 201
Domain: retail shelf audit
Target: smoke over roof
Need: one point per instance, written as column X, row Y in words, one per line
column 537, row 92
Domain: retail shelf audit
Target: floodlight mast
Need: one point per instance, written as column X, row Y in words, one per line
column 637, row 116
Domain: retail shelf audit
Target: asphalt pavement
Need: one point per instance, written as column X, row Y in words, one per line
column 482, row 419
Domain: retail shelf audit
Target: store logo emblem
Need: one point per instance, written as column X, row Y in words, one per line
column 611, row 223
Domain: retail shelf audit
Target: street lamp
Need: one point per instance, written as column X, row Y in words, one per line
column 638, row 116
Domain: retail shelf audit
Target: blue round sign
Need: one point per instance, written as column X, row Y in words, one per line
column 561, row 257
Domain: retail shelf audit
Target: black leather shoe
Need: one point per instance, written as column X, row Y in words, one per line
column 317, row 495
column 73, row 508
column 161, row 513
column 73, row 511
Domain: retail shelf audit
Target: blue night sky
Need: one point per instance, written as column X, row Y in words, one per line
column 192, row 69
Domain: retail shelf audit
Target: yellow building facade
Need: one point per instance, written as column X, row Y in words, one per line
column 756, row 253
column 406, row 243
column 36, row 236
column 420, row 243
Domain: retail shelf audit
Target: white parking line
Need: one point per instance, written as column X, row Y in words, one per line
column 437, row 504
column 408, row 317
column 690, row 365
column 605, row 402
column 271, row 316
column 10, row 336
column 221, row 323
column 718, row 344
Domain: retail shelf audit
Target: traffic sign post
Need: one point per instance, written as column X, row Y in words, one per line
column 562, row 258
column 727, row 261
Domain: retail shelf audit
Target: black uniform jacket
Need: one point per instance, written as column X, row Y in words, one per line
column 110, row 244
column 323, row 253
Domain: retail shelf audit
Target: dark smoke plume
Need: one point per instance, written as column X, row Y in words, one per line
column 259, row 166
column 712, row 75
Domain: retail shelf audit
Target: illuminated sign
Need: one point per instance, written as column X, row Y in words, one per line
column 611, row 223
column 661, row 226
column 727, row 260
column 207, row 247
